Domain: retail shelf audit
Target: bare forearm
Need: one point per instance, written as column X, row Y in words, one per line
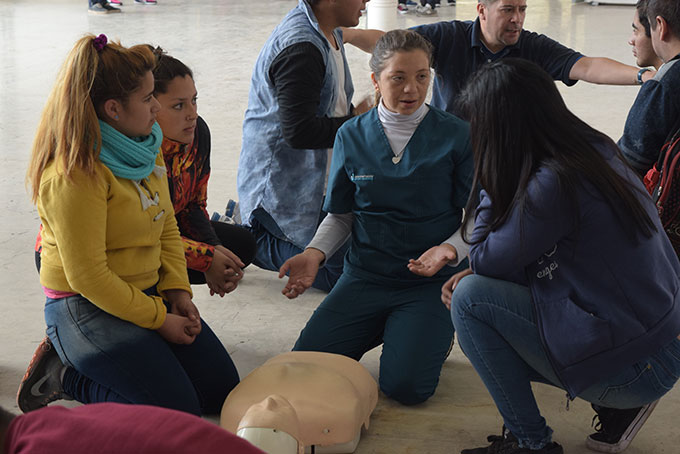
column 363, row 39
column 601, row 70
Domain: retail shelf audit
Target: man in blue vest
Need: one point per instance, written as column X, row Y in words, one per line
column 301, row 92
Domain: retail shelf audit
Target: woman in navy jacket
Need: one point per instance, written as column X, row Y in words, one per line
column 575, row 283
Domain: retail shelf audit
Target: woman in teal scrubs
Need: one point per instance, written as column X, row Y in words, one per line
column 399, row 179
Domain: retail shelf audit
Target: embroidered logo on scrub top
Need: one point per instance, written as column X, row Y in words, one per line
column 361, row 177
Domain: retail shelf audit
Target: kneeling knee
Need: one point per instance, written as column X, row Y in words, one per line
column 406, row 391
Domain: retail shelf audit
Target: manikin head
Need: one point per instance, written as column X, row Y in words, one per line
column 401, row 74
column 272, row 425
column 641, row 38
column 664, row 20
column 501, row 22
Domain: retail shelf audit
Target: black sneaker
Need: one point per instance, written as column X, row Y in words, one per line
column 507, row 444
column 617, row 428
column 42, row 382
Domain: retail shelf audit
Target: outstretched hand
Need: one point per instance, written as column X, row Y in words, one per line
column 301, row 269
column 432, row 260
column 450, row 285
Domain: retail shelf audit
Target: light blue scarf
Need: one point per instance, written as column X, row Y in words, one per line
column 131, row 158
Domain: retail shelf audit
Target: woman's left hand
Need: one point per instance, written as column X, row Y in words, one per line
column 432, row 260
column 450, row 285
column 181, row 304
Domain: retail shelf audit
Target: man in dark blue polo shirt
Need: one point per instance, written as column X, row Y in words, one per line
column 461, row 47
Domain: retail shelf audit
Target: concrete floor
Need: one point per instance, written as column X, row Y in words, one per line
column 220, row 40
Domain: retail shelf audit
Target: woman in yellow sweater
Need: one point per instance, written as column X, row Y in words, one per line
column 121, row 324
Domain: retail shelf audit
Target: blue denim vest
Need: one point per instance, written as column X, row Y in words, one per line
column 285, row 185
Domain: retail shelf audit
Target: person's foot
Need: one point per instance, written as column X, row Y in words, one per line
column 146, row 2
column 403, row 9
column 99, row 8
column 232, row 211
column 617, row 428
column 115, row 2
column 451, row 2
column 426, row 10
column 507, row 444
column 42, row 382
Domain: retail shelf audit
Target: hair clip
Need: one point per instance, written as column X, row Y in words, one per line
column 100, row 42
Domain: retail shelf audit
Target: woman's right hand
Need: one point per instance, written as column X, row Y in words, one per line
column 301, row 270
column 178, row 329
column 450, row 285
column 224, row 273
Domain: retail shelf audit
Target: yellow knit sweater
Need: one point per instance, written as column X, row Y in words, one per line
column 109, row 238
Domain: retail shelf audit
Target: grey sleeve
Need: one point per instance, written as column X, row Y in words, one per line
column 462, row 248
column 332, row 233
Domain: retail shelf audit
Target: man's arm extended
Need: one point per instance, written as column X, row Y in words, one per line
column 363, row 39
column 601, row 70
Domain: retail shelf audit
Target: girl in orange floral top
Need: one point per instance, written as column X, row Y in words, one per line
column 216, row 252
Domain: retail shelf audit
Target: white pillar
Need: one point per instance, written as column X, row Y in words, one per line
column 382, row 14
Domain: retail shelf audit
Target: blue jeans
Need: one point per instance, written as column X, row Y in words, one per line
column 409, row 320
column 112, row 360
column 272, row 252
column 498, row 333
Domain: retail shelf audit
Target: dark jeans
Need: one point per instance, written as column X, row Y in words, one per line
column 112, row 360
column 498, row 333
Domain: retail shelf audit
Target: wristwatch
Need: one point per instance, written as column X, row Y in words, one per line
column 639, row 75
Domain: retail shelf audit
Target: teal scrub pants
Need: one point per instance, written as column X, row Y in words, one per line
column 408, row 319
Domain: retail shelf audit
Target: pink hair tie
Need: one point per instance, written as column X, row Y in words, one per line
column 99, row 42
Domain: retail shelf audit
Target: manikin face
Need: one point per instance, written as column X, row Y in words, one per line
column 501, row 22
column 138, row 114
column 643, row 51
column 404, row 81
column 178, row 114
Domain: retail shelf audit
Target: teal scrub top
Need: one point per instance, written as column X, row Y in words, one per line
column 403, row 209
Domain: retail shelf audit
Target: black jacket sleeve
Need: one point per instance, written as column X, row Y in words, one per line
column 297, row 74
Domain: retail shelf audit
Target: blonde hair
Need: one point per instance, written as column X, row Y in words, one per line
column 69, row 130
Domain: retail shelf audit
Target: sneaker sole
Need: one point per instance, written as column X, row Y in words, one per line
column 627, row 436
column 44, row 348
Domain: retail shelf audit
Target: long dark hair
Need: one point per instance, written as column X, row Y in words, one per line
column 518, row 123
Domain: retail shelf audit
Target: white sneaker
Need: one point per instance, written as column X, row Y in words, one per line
column 426, row 10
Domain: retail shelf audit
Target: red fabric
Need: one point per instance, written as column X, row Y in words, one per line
column 651, row 179
column 110, row 428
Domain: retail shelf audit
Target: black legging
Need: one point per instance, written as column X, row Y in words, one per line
column 235, row 238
